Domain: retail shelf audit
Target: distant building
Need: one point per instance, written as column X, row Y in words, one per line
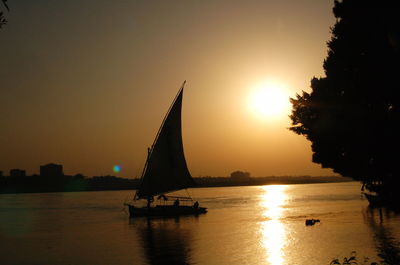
column 240, row 175
column 51, row 170
column 17, row 173
column 79, row 176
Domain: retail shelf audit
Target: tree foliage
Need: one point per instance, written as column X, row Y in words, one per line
column 351, row 115
column 3, row 20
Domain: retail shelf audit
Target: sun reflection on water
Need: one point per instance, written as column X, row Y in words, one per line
column 272, row 230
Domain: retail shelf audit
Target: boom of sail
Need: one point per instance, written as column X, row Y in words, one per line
column 165, row 169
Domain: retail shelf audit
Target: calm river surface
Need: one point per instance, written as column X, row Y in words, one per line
column 244, row 225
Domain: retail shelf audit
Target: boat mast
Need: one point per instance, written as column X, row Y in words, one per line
column 150, row 149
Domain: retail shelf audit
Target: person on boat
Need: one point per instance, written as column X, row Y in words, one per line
column 176, row 203
column 150, row 199
column 162, row 196
column 196, row 205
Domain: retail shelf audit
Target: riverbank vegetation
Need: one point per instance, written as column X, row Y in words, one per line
column 36, row 183
column 351, row 114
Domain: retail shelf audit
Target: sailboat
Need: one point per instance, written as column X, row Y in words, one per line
column 166, row 171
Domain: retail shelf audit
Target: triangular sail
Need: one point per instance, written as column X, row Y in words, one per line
column 166, row 168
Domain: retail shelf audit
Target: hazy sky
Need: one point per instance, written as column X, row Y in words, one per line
column 86, row 83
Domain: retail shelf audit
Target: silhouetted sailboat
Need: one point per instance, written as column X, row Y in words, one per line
column 165, row 171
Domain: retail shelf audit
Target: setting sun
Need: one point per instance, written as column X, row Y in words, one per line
column 269, row 100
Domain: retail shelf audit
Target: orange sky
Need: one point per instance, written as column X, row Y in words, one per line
column 87, row 83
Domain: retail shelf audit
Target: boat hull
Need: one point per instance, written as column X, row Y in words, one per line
column 373, row 200
column 164, row 211
column 382, row 201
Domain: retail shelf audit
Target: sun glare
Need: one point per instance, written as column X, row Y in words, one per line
column 273, row 230
column 269, row 100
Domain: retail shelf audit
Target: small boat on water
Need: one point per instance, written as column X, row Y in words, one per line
column 312, row 221
column 377, row 195
column 376, row 200
column 166, row 171
column 373, row 199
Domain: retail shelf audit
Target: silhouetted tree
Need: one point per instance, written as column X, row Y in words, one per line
column 3, row 21
column 351, row 115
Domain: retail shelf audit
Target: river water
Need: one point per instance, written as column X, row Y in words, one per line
column 244, row 225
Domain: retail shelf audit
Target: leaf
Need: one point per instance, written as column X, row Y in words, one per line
column 335, row 262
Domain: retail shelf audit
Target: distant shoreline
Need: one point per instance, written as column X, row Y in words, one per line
column 108, row 183
column 259, row 181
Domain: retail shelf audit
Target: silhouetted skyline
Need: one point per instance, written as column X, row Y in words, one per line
column 53, row 179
